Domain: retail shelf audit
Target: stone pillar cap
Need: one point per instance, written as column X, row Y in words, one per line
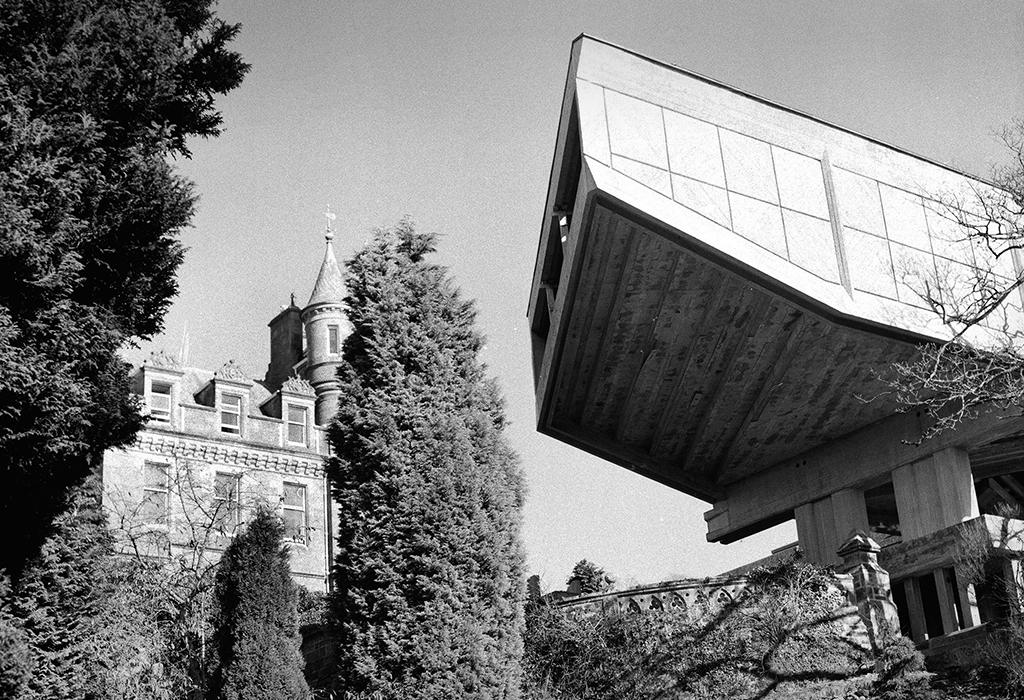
column 858, row 541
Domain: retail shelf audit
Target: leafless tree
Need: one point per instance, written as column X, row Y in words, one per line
column 980, row 366
column 175, row 536
column 983, row 560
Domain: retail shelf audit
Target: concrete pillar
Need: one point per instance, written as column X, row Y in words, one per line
column 871, row 587
column 968, row 603
column 946, row 595
column 915, row 610
column 934, row 493
column 823, row 525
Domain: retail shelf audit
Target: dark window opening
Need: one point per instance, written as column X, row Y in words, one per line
column 883, row 519
column 899, row 598
column 930, row 605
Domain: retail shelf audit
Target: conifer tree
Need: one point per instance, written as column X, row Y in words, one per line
column 257, row 629
column 79, row 630
column 591, row 577
column 96, row 100
column 429, row 575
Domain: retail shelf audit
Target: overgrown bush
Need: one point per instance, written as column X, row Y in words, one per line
column 902, row 675
column 781, row 629
column 312, row 607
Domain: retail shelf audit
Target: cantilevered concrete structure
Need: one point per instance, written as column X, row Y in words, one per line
column 718, row 283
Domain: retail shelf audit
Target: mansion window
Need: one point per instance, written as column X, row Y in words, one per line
column 293, row 506
column 155, row 493
column 296, row 425
column 227, row 505
column 160, row 402
column 332, row 339
column 231, row 414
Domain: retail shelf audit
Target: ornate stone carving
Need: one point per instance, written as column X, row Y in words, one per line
column 230, row 371
column 214, row 453
column 298, row 385
column 159, row 358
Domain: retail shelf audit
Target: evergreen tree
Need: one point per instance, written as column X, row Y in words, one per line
column 96, row 99
column 15, row 654
column 592, row 577
column 429, row 572
column 257, row 629
column 59, row 599
column 84, row 633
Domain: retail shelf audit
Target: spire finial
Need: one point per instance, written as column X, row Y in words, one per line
column 330, row 216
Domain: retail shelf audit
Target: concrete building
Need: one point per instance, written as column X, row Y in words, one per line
column 720, row 280
column 218, row 443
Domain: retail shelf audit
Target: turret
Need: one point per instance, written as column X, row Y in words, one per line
column 326, row 327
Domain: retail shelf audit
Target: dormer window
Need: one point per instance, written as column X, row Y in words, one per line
column 231, row 414
column 296, row 425
column 332, row 339
column 160, row 402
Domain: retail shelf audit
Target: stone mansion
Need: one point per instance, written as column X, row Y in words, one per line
column 219, row 442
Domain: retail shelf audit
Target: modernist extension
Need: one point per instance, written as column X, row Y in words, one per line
column 720, row 280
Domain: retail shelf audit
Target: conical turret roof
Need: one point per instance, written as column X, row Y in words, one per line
column 330, row 286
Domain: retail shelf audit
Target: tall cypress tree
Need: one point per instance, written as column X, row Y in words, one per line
column 257, row 629
column 428, row 575
column 97, row 97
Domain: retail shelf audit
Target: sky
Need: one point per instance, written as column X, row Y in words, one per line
column 447, row 112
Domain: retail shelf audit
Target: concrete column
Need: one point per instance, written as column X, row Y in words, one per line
column 915, row 610
column 946, row 596
column 823, row 525
column 968, row 603
column 934, row 493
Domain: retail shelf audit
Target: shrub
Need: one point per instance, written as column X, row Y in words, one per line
column 780, row 629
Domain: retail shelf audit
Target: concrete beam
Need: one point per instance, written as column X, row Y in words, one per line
column 860, row 459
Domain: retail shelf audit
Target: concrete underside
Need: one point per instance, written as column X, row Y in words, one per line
column 690, row 373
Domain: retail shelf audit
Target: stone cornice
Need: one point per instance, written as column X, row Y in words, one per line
column 220, row 453
column 322, row 308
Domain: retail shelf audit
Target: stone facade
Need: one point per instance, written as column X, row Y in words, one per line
column 220, row 443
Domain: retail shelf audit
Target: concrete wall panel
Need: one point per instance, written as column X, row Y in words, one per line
column 636, row 129
column 694, row 148
column 748, row 166
column 801, row 184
